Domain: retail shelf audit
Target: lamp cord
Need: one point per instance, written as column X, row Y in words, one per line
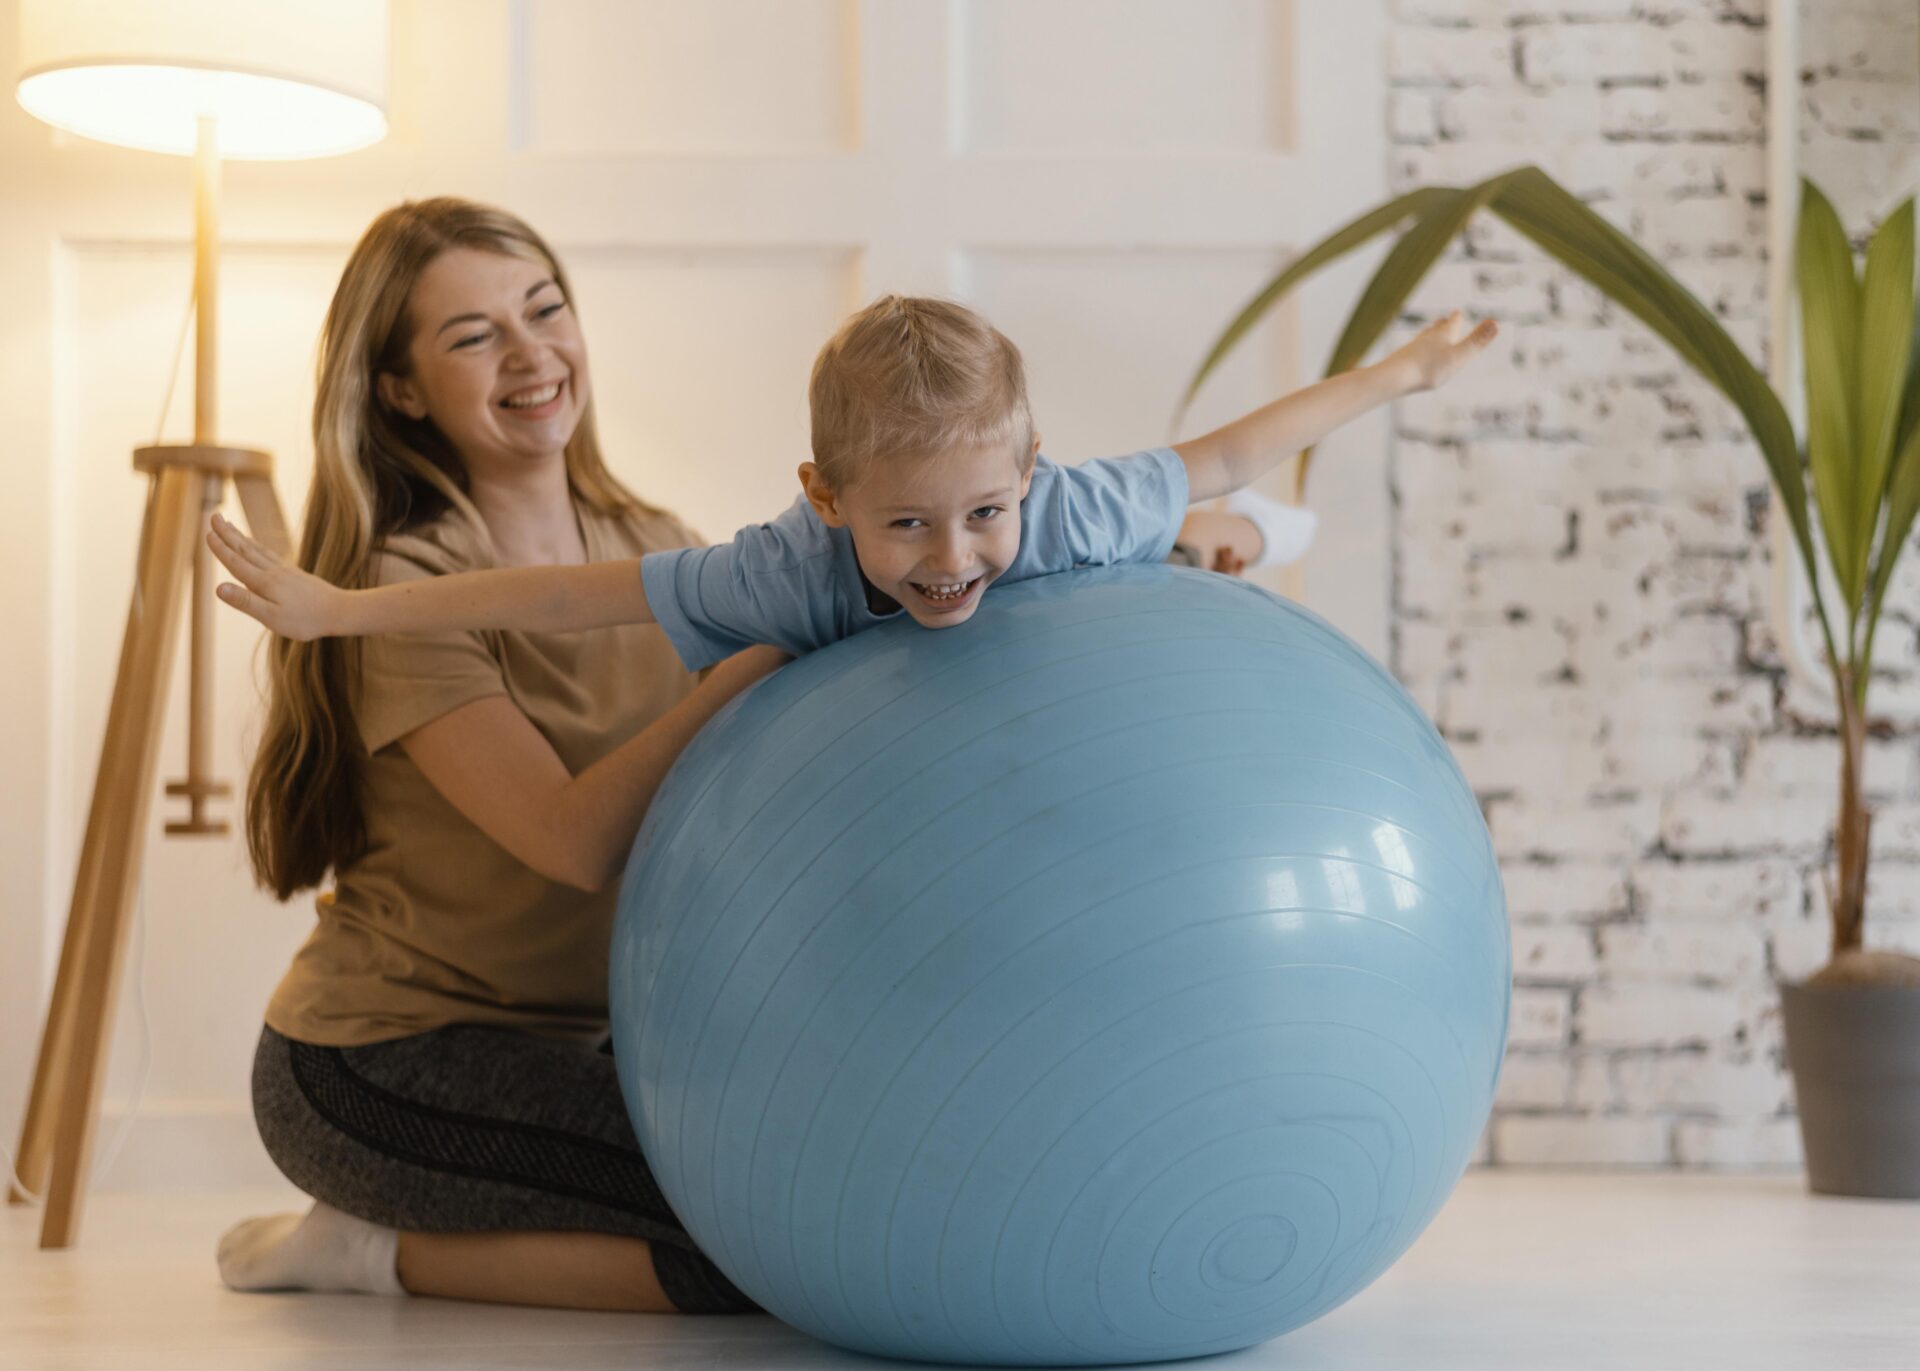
column 173, row 372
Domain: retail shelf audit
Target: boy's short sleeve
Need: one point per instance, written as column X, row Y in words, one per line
column 772, row 583
column 410, row 679
column 1109, row 510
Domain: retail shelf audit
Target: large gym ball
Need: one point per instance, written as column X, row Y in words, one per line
column 1117, row 977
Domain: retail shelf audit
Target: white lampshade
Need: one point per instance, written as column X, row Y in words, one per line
column 284, row 78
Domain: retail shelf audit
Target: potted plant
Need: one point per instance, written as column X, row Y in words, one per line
column 1853, row 1028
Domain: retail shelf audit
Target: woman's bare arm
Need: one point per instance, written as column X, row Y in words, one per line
column 543, row 599
column 498, row 770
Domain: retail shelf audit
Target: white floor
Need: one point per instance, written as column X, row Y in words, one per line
column 1521, row 1270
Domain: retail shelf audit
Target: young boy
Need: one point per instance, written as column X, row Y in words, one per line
column 926, row 487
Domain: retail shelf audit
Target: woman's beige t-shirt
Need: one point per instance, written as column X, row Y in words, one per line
column 438, row 924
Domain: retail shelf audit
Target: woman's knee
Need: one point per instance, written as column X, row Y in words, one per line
column 309, row 1149
column 279, row 1115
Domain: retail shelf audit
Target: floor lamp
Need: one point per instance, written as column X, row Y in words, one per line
column 212, row 79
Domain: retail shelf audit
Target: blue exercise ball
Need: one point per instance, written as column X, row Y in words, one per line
column 1120, row 976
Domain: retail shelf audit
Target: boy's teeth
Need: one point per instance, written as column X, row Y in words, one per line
column 949, row 592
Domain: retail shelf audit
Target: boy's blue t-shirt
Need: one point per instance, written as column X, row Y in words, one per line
column 795, row 583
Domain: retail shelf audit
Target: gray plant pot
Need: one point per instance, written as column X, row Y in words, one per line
column 1855, row 1056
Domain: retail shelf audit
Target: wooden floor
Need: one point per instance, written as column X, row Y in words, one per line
column 1521, row 1270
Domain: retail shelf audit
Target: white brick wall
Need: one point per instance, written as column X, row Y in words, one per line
column 1581, row 580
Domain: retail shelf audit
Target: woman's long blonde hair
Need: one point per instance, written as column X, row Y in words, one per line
column 376, row 473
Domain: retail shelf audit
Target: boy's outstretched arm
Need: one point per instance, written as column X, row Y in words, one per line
column 546, row 599
column 1251, row 446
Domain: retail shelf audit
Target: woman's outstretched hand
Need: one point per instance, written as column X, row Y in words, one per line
column 293, row 603
column 1442, row 348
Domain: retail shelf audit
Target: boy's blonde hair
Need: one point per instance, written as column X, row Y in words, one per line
column 914, row 375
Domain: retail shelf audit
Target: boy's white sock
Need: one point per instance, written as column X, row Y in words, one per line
column 1286, row 531
column 322, row 1249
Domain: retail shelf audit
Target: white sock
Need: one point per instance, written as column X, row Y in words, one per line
column 322, row 1249
column 1286, row 531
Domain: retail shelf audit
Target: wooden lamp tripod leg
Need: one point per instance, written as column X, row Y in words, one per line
column 57, row 1136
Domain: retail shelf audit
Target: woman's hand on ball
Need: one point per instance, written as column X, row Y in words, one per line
column 291, row 602
column 749, row 665
column 1440, row 349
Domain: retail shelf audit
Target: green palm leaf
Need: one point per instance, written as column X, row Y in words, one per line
column 1555, row 220
column 1886, row 333
column 1910, row 406
column 1542, row 210
column 1903, row 485
column 1334, row 246
column 1903, row 502
column 1411, row 259
column 1830, row 332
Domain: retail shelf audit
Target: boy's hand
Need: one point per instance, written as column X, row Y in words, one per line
column 293, row 603
column 1227, row 562
column 1440, row 349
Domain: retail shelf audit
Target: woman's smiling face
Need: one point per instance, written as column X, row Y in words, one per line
column 498, row 363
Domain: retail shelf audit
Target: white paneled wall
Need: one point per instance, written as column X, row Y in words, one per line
column 748, row 77
column 1103, row 330
column 1074, row 76
column 725, row 180
column 663, row 326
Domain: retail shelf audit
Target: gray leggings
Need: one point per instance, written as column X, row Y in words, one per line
column 474, row 1129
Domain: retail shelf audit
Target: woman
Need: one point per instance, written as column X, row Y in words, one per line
column 432, row 1068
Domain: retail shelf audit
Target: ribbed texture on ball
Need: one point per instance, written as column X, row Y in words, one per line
column 1117, row 977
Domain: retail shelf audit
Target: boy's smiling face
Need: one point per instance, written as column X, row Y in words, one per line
column 932, row 531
